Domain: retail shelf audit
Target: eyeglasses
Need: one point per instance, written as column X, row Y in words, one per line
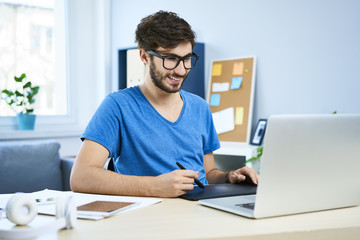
column 170, row 62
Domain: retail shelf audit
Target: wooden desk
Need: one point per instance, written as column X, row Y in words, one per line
column 182, row 219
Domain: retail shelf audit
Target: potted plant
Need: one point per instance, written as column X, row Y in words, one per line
column 254, row 162
column 21, row 100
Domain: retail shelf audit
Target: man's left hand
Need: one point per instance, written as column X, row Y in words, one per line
column 243, row 174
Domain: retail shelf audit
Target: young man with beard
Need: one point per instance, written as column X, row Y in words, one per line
column 148, row 128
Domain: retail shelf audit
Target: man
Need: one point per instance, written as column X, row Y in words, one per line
column 148, row 128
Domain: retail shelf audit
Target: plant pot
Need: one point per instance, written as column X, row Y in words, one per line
column 26, row 121
column 255, row 164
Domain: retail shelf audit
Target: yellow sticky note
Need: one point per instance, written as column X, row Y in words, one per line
column 216, row 70
column 238, row 68
column 239, row 115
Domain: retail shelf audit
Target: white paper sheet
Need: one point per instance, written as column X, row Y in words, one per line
column 224, row 120
column 220, row 87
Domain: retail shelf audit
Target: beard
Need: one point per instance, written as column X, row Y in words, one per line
column 159, row 80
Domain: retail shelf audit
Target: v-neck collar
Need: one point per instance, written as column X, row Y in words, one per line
column 158, row 114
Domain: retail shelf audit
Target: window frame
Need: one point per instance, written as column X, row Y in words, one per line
column 8, row 124
column 88, row 75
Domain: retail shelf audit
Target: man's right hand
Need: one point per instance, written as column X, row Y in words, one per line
column 175, row 183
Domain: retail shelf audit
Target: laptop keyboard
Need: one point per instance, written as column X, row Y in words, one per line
column 246, row 205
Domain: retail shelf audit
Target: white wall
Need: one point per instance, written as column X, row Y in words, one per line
column 88, row 66
column 308, row 51
column 89, row 62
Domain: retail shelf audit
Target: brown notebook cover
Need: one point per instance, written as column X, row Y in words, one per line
column 103, row 206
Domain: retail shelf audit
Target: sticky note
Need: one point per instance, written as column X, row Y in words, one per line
column 216, row 69
column 239, row 115
column 238, row 68
column 224, row 120
column 220, row 87
column 236, row 82
column 215, row 100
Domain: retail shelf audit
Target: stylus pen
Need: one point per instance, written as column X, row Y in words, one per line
column 196, row 181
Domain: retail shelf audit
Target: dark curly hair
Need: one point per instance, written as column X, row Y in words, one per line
column 163, row 29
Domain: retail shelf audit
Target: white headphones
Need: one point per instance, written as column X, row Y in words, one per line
column 22, row 209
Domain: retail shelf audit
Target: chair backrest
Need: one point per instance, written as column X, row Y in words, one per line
column 30, row 166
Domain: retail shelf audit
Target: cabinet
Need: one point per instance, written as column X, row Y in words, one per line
column 233, row 155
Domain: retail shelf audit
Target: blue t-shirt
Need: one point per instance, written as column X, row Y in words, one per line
column 144, row 143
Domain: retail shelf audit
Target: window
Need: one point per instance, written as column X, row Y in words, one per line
column 32, row 41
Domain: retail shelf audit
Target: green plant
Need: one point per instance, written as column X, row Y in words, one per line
column 21, row 99
column 259, row 152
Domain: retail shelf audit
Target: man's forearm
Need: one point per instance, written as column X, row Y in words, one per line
column 102, row 181
column 216, row 176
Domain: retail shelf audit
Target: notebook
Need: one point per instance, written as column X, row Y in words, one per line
column 104, row 208
column 309, row 163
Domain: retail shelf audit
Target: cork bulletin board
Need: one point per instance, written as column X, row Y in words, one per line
column 230, row 96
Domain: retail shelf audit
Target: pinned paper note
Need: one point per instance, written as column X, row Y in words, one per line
column 236, row 82
column 220, row 87
column 216, row 69
column 224, row 120
column 239, row 115
column 238, row 68
column 215, row 100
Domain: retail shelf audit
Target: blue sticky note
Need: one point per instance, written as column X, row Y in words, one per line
column 236, row 82
column 215, row 100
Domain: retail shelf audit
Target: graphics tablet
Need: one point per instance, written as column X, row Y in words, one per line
column 220, row 190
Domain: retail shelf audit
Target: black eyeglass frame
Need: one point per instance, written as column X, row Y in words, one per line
column 180, row 59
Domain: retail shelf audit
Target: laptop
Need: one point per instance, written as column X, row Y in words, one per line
column 309, row 163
